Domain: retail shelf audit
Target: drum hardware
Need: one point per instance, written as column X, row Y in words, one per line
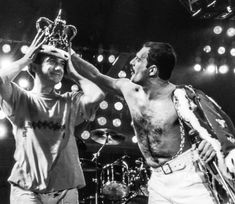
column 107, row 137
column 139, row 177
column 137, row 199
column 89, row 165
column 115, row 180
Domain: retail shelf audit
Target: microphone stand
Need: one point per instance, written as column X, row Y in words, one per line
column 216, row 171
column 95, row 158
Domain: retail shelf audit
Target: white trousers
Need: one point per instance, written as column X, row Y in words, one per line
column 182, row 183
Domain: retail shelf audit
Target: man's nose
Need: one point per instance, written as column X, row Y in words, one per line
column 132, row 61
column 58, row 67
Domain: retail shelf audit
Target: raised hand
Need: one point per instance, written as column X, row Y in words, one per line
column 37, row 42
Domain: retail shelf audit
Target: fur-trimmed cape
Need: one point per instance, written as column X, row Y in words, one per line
column 199, row 112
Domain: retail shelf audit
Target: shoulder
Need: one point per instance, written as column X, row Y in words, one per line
column 126, row 85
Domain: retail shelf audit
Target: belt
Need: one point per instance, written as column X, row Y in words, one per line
column 175, row 164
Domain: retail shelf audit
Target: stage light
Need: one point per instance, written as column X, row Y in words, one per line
column 232, row 52
column 111, row 58
column 58, row 86
column 6, row 48
column 100, row 58
column 221, row 50
column 197, row 67
column 217, row 30
column 2, row 115
column 211, row 68
column 117, row 122
column 231, row 32
column 24, row 49
column 85, row 135
column 5, row 62
column 24, row 83
column 3, row 131
column 134, row 139
column 74, row 88
column 223, row 69
column 122, row 74
column 101, row 121
column 104, row 105
column 118, row 106
column 207, row 48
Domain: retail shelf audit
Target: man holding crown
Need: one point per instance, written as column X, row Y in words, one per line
column 47, row 168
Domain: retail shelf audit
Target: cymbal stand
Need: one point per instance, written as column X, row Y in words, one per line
column 96, row 180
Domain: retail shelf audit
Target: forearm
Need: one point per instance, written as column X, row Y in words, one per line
column 10, row 72
column 84, row 68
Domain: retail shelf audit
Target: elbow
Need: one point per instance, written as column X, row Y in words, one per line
column 99, row 96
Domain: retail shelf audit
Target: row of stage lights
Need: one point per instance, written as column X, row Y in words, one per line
column 213, row 68
column 6, row 48
column 220, row 60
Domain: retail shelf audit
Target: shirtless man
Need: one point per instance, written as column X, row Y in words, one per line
column 161, row 137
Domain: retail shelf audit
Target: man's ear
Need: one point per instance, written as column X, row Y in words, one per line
column 153, row 70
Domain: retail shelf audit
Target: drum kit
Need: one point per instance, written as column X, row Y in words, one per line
column 116, row 182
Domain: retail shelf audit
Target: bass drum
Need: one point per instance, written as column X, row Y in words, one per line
column 139, row 199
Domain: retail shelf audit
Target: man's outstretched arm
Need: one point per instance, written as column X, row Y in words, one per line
column 90, row 72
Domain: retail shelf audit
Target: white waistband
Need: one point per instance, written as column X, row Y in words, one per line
column 178, row 163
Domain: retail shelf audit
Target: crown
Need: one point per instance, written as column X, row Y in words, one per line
column 58, row 36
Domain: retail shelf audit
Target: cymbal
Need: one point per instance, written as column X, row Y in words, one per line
column 107, row 136
column 88, row 165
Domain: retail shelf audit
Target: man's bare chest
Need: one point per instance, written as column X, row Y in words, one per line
column 155, row 117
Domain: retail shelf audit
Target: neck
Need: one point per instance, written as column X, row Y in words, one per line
column 42, row 88
column 158, row 88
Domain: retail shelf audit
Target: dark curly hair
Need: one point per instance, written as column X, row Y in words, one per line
column 163, row 56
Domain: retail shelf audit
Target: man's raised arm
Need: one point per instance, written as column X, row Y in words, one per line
column 7, row 74
column 90, row 72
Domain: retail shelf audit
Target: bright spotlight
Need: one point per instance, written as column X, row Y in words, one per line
column 24, row 49
column 211, row 68
column 102, row 121
column 111, row 58
column 5, row 62
column 197, row 67
column 74, row 88
column 6, row 48
column 223, row 69
column 217, row 30
column 118, row 106
column 134, row 139
column 24, row 83
column 207, row 48
column 3, row 131
column 221, row 50
column 85, row 135
column 122, row 74
column 58, row 86
column 231, row 32
column 104, row 105
column 232, row 52
column 100, row 58
column 117, row 122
